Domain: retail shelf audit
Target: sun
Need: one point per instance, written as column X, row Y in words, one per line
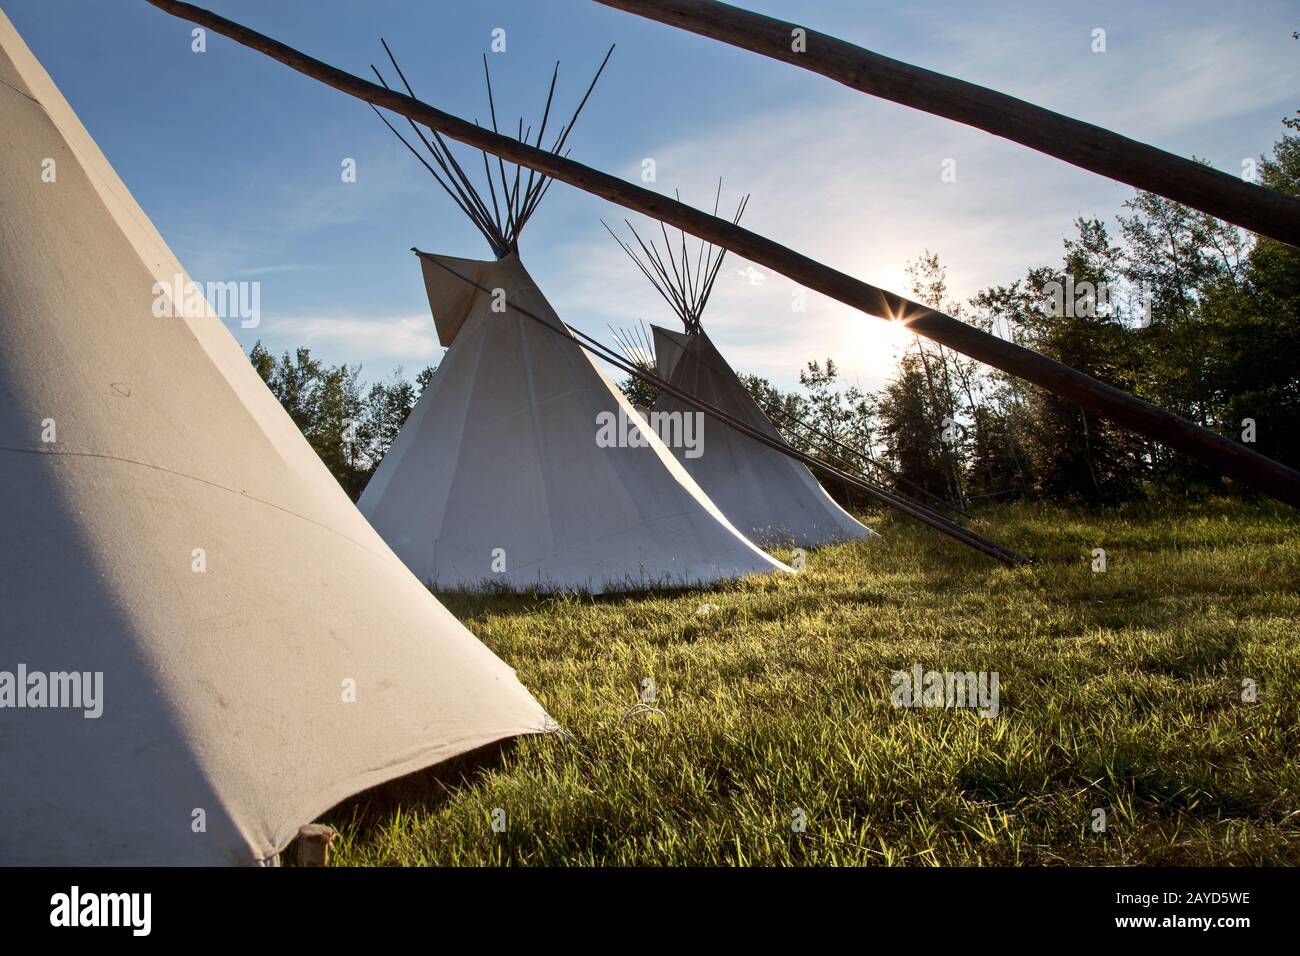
column 872, row 340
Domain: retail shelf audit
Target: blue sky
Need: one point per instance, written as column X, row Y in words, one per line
column 237, row 158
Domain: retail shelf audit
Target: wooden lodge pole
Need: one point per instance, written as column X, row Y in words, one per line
column 1265, row 211
column 1210, row 449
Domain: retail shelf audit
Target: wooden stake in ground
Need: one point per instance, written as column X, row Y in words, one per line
column 1210, row 449
column 1265, row 211
column 314, row 841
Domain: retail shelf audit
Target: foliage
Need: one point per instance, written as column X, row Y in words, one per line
column 349, row 430
column 638, row 391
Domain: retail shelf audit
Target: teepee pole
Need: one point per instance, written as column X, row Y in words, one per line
column 1265, row 211
column 1212, row 450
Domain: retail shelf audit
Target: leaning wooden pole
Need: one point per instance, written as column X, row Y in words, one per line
column 1214, row 451
column 1265, row 211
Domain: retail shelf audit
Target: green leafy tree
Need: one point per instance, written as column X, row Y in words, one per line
column 348, row 431
column 910, row 426
column 783, row 409
column 1256, row 372
column 638, row 391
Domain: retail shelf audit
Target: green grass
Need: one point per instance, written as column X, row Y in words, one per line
column 1120, row 691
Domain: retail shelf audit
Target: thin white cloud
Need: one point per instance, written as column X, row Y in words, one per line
column 278, row 269
column 406, row 339
column 287, row 206
column 1156, row 79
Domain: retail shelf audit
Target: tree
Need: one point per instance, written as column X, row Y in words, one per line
column 835, row 425
column 638, row 391
column 909, row 420
column 1067, row 314
column 1256, row 372
column 423, row 379
column 349, row 433
column 783, row 409
column 383, row 413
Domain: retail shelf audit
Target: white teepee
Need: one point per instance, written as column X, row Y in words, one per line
column 506, row 473
column 501, row 477
column 770, row 497
column 261, row 653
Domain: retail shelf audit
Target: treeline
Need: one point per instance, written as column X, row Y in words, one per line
column 1178, row 308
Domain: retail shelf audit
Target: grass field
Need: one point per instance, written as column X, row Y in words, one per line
column 1119, row 691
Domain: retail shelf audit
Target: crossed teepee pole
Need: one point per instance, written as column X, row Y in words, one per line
column 1265, row 211
column 1211, row 449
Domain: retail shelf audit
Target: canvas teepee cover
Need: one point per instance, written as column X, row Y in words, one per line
column 226, row 720
column 770, row 497
column 498, row 477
